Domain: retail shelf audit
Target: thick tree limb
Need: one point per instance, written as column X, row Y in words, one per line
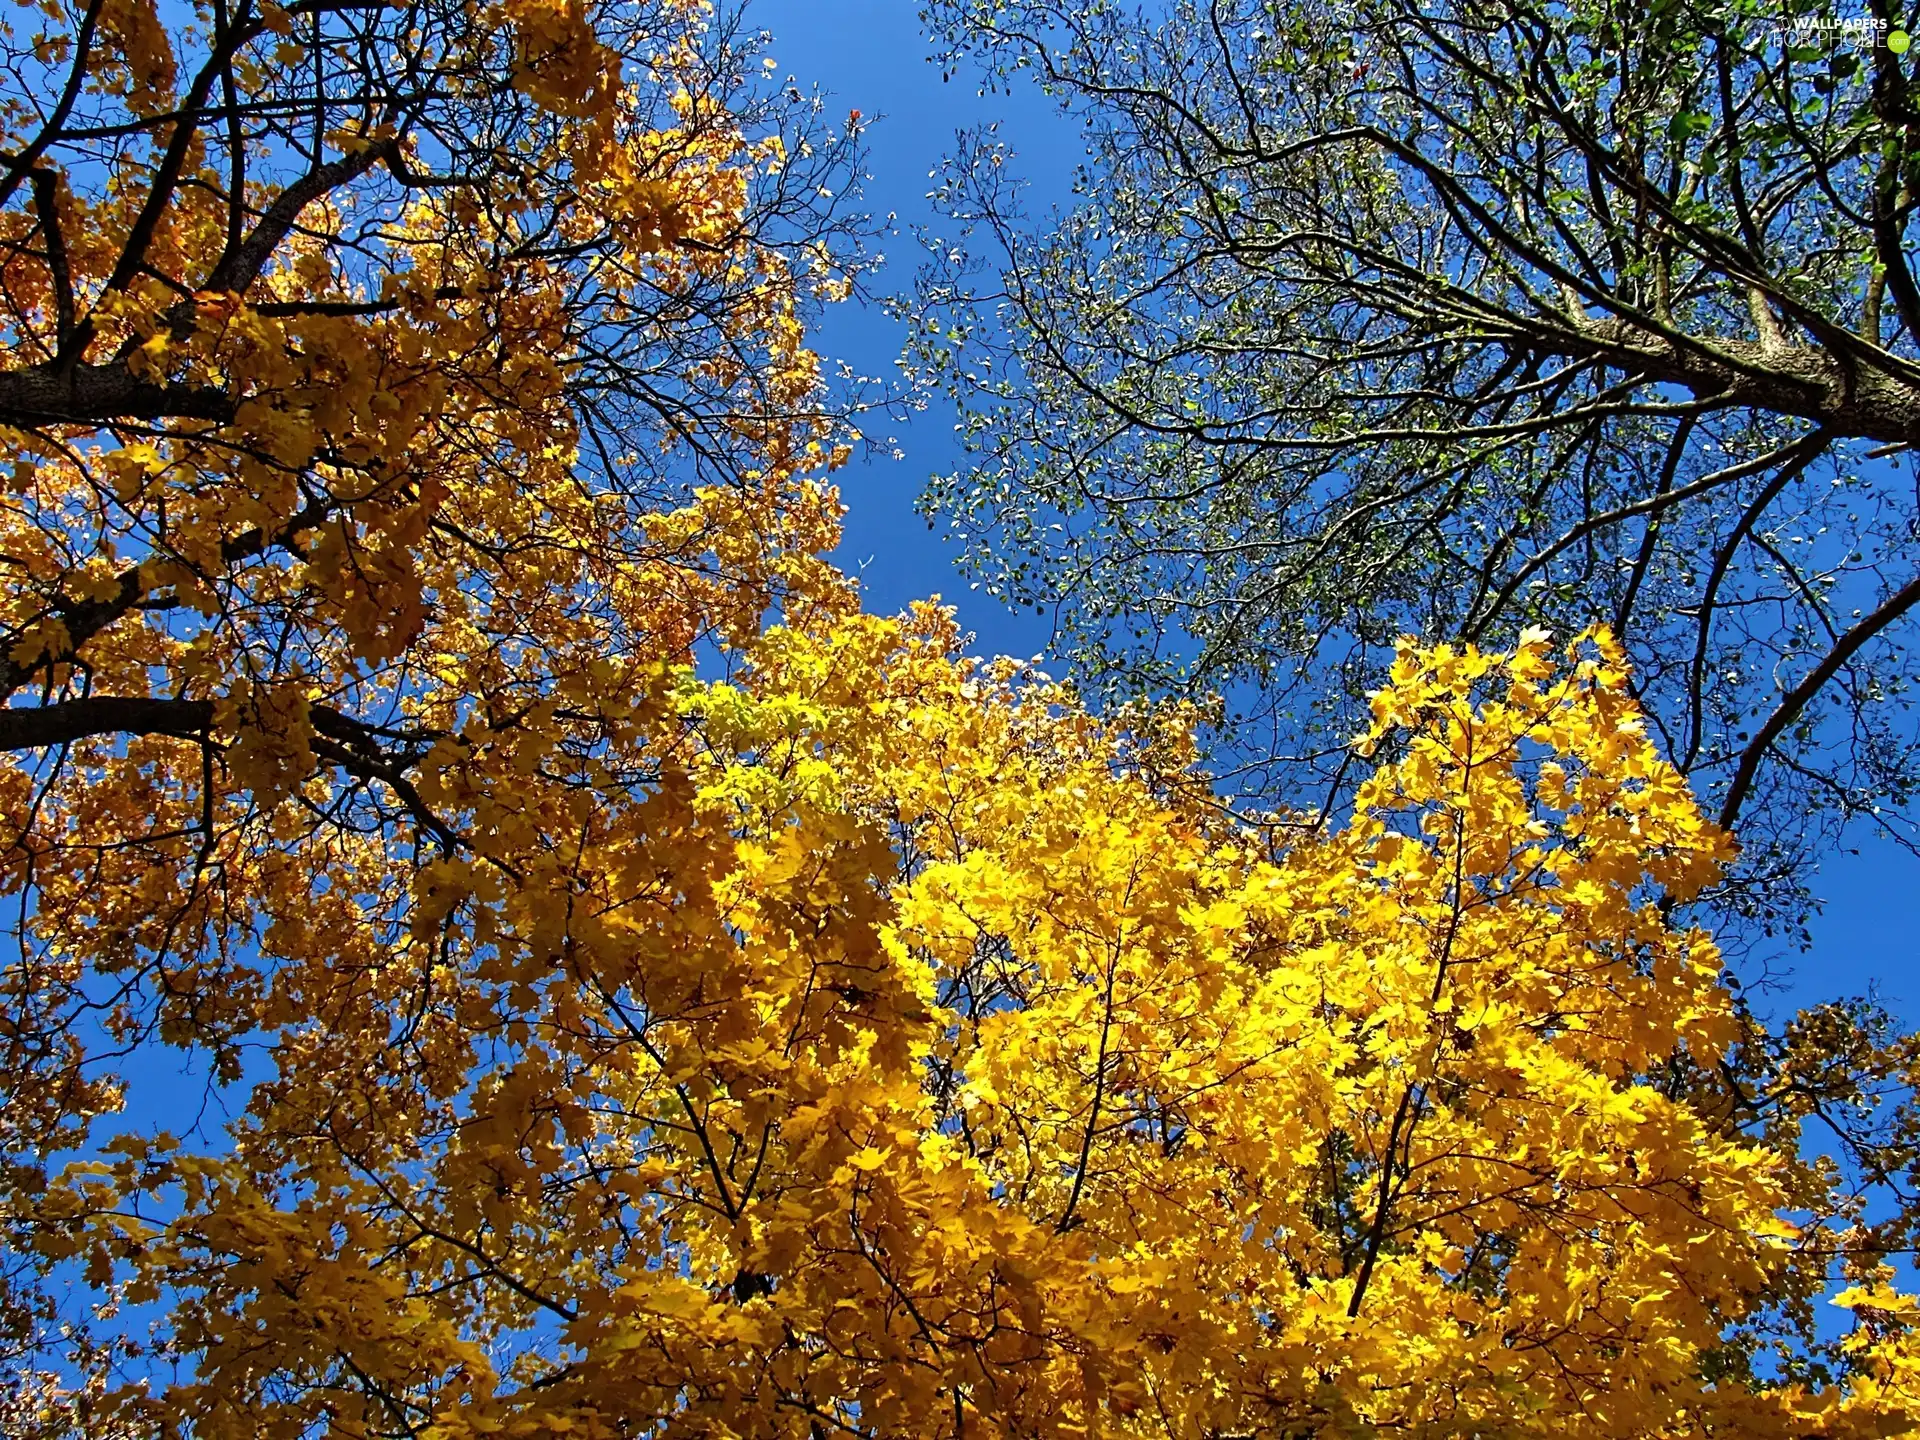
column 353, row 745
column 102, row 395
column 39, row 727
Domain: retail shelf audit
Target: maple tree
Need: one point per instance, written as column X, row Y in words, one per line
column 649, row 996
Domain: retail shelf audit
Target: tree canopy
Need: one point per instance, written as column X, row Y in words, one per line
column 1368, row 318
column 635, row 993
column 907, row 1055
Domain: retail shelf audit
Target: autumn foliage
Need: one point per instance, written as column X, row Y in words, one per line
column 636, row 993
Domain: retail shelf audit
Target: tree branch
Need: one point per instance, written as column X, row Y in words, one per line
column 1796, row 699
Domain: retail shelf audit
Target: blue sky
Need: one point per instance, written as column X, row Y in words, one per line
column 871, row 55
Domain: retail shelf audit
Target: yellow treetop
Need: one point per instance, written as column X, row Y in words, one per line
column 897, row 1058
